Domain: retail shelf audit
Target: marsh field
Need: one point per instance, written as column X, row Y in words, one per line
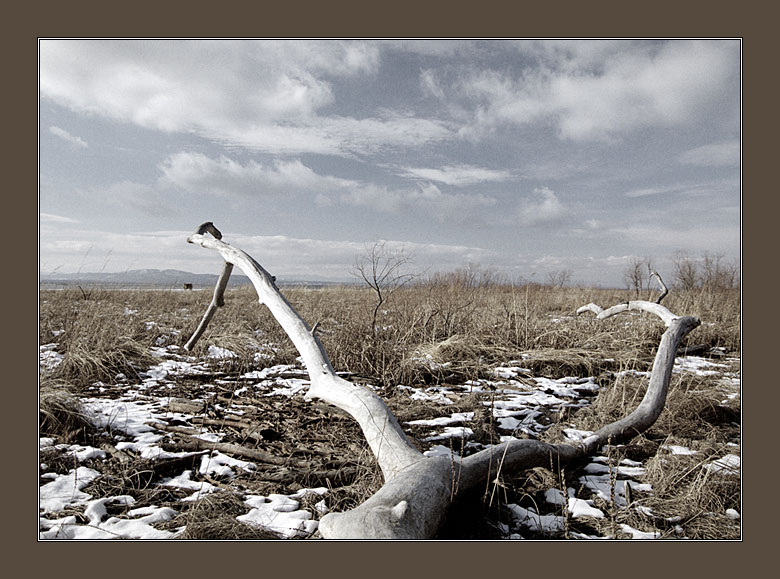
column 141, row 439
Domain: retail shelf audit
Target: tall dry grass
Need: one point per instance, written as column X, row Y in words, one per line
column 439, row 329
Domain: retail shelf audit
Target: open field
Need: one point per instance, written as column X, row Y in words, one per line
column 141, row 439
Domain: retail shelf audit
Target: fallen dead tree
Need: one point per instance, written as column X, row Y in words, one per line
column 418, row 490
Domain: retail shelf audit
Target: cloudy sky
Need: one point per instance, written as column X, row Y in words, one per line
column 523, row 156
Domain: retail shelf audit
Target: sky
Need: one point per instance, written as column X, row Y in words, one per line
column 526, row 157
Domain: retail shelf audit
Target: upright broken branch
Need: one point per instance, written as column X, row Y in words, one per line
column 664, row 289
column 216, row 302
column 417, row 490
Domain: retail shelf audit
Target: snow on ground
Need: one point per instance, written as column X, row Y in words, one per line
column 48, row 357
column 521, row 408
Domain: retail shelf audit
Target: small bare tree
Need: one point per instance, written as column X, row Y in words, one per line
column 559, row 278
column 686, row 272
column 711, row 272
column 418, row 490
column 637, row 275
column 384, row 271
column 717, row 273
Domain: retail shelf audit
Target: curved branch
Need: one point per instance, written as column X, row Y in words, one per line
column 636, row 305
column 518, row 455
column 392, row 449
column 590, row 308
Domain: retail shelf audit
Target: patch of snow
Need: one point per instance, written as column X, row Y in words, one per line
column 636, row 534
column 280, row 514
column 220, row 353
column 697, row 365
column 221, row 465
column 535, row 522
column 583, row 508
column 84, row 453
column 577, row 435
column 441, row 450
column 418, row 394
column 677, row 449
column 554, row 497
column 602, row 486
column 507, row 372
column 451, row 432
column 444, row 420
column 726, row 465
column 48, row 358
column 289, row 387
column 113, row 527
column 65, row 490
column 184, row 481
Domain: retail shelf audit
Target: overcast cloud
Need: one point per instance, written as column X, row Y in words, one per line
column 525, row 156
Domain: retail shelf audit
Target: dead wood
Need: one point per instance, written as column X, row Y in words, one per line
column 417, row 490
column 190, row 443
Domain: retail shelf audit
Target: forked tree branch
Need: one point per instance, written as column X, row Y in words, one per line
column 418, row 491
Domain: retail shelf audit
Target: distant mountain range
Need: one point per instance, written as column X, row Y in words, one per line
column 157, row 278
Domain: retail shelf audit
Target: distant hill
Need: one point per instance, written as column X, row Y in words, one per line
column 155, row 278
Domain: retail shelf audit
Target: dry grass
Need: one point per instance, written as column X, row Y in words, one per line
column 465, row 332
column 214, row 518
column 60, row 413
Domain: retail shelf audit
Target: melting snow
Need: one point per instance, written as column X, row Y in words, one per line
column 516, row 407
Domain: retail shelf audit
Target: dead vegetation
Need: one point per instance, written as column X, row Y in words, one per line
column 427, row 335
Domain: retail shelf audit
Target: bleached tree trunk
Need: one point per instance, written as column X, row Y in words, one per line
column 417, row 490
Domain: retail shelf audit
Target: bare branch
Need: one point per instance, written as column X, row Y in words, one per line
column 590, row 308
column 664, row 289
column 518, row 455
column 216, row 302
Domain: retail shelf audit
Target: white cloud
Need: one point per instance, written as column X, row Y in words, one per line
column 458, row 175
column 701, row 238
column 646, row 191
column 65, row 135
column 618, row 88
column 69, row 251
column 430, row 84
column 200, row 174
column 138, row 196
column 542, row 207
column 302, row 257
column 266, row 95
column 428, row 198
column 715, row 155
column 49, row 218
column 178, row 84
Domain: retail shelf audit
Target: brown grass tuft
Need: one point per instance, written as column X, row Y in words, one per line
column 214, row 518
column 60, row 413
